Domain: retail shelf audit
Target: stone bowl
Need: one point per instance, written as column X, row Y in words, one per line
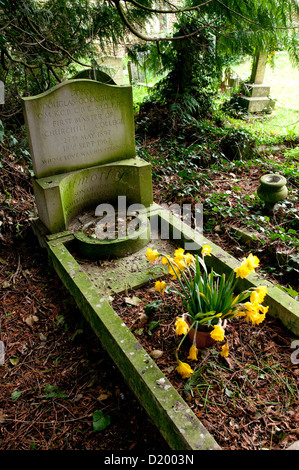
column 93, row 248
column 272, row 188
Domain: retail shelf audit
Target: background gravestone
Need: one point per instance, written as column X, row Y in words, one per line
column 97, row 75
column 255, row 97
column 114, row 67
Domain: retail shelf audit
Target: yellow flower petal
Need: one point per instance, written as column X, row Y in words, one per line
column 193, row 353
column 181, row 327
column 248, row 265
column 184, row 370
column 206, row 250
column 252, row 261
column 218, row 333
column 225, row 350
column 261, row 292
column 189, row 258
column 160, row 286
column 152, row 255
column 179, row 251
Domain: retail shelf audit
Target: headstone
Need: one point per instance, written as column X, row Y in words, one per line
column 255, row 96
column 259, row 68
column 2, row 95
column 95, row 74
column 82, row 143
column 78, row 124
column 113, row 66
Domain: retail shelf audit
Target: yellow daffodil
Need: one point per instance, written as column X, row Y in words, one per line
column 152, row 255
column 242, row 271
column 160, row 286
column 206, row 250
column 248, row 265
column 193, row 353
column 184, row 370
column 252, row 261
column 189, row 258
column 181, row 327
column 179, row 262
column 218, row 333
column 263, row 309
column 225, row 350
column 252, row 313
column 261, row 293
column 175, row 271
column 179, row 251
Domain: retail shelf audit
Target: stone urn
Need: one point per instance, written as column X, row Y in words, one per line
column 272, row 189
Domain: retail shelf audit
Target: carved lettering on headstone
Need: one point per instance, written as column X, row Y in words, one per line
column 78, row 124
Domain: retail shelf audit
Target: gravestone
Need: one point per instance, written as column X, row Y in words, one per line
column 114, row 67
column 2, row 95
column 255, row 96
column 82, row 144
column 95, row 74
column 78, row 124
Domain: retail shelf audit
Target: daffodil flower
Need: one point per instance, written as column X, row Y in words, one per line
column 184, row 370
column 218, row 333
column 248, row 265
column 160, row 286
column 152, row 255
column 225, row 350
column 193, row 353
column 206, row 250
column 181, row 327
column 179, row 251
column 252, row 313
column 259, row 294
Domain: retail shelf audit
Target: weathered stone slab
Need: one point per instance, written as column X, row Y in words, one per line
column 114, row 66
column 257, row 91
column 256, row 104
column 78, row 124
column 259, row 67
column 61, row 197
column 97, row 75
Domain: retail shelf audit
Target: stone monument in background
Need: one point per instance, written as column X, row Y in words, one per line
column 255, row 94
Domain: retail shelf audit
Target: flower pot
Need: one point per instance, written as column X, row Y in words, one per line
column 203, row 335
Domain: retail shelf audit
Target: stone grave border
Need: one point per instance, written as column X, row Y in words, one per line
column 179, row 426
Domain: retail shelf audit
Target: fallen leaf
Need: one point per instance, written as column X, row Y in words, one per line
column 104, row 396
column 31, row 320
column 132, row 301
column 2, row 417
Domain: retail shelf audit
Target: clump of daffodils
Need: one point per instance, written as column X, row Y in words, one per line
column 209, row 298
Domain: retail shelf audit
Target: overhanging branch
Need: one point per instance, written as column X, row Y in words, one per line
column 148, row 38
column 173, row 10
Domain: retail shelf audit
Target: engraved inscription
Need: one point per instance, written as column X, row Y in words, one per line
column 74, row 127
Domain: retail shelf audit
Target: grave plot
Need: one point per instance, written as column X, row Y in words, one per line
column 75, row 183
